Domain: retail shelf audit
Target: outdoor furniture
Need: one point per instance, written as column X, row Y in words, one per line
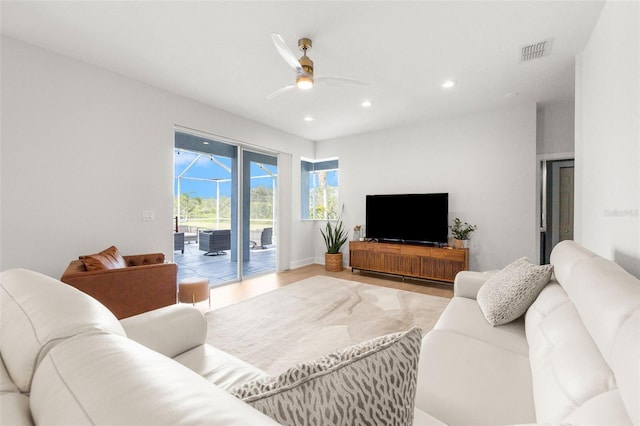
column 190, row 234
column 194, row 289
column 214, row 242
column 178, row 241
column 266, row 238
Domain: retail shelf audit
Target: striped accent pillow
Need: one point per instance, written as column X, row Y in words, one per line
column 370, row 383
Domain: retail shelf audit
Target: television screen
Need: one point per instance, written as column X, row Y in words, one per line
column 408, row 218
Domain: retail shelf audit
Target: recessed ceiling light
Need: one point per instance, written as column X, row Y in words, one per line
column 205, row 143
column 448, row 84
column 366, row 103
column 308, row 118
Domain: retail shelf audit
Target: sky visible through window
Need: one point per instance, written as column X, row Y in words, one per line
column 199, row 180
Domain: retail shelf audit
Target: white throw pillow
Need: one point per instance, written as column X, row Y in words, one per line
column 508, row 294
column 366, row 384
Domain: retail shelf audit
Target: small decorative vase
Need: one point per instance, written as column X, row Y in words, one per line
column 460, row 244
column 333, row 262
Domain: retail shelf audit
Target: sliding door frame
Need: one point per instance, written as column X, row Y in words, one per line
column 237, row 247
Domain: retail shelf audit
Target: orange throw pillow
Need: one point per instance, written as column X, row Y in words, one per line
column 106, row 259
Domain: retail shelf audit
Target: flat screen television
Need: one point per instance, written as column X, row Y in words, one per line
column 408, row 218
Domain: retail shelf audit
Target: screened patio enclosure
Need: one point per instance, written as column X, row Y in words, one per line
column 223, row 187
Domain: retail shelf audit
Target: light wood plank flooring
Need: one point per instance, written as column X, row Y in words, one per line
column 233, row 293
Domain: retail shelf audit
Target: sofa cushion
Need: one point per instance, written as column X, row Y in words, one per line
column 370, row 383
column 625, row 356
column 464, row 316
column 105, row 379
column 508, row 294
column 109, row 258
column 15, row 409
column 6, row 384
column 465, row 381
column 14, row 406
column 421, row 418
column 604, row 409
column 220, row 368
column 568, row 369
column 607, row 299
column 39, row 312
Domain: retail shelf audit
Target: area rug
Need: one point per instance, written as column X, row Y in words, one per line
column 313, row 317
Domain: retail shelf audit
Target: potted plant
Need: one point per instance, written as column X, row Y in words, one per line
column 334, row 238
column 460, row 231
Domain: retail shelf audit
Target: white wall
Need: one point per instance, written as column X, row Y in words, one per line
column 555, row 128
column 84, row 151
column 608, row 137
column 486, row 162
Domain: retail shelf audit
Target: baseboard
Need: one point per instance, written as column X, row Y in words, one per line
column 303, row 262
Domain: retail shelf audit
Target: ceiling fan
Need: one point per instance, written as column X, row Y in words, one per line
column 303, row 68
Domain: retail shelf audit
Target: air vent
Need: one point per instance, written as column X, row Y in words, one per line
column 535, row 50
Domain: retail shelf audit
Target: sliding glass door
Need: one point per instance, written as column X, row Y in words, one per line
column 259, row 224
column 224, row 210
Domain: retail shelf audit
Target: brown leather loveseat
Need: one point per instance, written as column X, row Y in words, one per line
column 127, row 285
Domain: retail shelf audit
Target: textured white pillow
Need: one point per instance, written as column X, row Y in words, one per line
column 373, row 383
column 508, row 294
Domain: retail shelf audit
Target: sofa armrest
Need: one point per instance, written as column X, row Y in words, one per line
column 171, row 330
column 467, row 283
column 126, row 291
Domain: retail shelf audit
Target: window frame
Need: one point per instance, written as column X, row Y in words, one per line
column 307, row 169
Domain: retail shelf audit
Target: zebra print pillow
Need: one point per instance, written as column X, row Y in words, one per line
column 373, row 383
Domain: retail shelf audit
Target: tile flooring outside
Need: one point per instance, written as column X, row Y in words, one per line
column 220, row 269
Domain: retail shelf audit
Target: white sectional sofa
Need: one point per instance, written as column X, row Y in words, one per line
column 574, row 358
column 67, row 360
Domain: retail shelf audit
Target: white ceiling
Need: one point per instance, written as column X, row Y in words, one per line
column 221, row 54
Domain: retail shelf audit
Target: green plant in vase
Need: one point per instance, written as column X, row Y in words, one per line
column 461, row 231
column 335, row 236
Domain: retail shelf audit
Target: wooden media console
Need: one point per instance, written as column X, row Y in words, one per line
column 432, row 263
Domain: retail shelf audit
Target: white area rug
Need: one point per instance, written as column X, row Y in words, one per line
column 313, row 317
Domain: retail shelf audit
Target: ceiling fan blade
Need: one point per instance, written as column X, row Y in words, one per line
column 333, row 80
column 281, row 91
column 285, row 52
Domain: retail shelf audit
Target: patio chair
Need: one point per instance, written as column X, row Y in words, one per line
column 214, row 242
column 178, row 241
column 190, row 234
column 266, row 238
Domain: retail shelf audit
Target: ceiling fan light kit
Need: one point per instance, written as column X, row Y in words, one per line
column 303, row 68
column 304, row 82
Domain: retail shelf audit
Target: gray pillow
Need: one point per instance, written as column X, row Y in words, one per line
column 508, row 294
column 373, row 383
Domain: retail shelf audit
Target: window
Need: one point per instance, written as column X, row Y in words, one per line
column 319, row 180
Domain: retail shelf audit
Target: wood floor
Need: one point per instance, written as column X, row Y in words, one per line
column 233, row 293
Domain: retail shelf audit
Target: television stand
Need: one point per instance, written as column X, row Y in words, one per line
column 408, row 260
